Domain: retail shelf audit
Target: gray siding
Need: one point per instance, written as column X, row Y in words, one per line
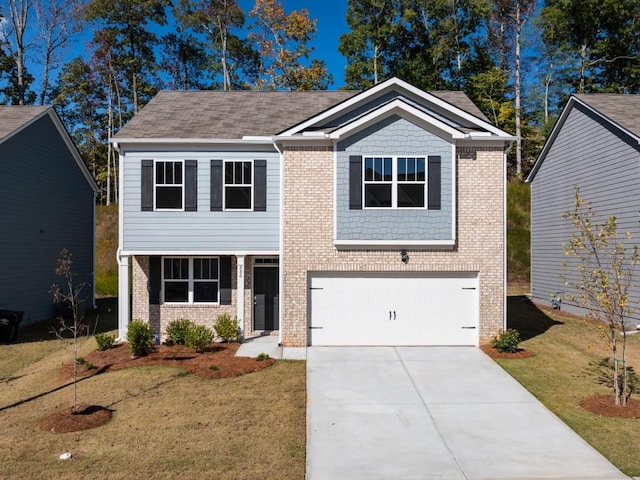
column 394, row 136
column 203, row 230
column 46, row 204
column 589, row 154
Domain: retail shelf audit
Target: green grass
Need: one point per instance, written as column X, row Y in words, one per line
column 106, row 248
column 518, row 232
column 562, row 374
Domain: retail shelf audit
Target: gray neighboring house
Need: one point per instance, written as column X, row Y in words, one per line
column 47, row 203
column 595, row 146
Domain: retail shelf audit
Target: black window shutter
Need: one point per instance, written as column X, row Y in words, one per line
column 155, row 280
column 191, row 185
column 216, row 185
column 260, row 185
column 435, row 182
column 355, row 182
column 225, row 280
column 146, row 189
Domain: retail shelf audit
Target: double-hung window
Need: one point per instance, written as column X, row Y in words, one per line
column 169, row 185
column 191, row 280
column 238, row 185
column 394, row 182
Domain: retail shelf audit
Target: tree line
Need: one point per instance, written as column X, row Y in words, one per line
column 518, row 60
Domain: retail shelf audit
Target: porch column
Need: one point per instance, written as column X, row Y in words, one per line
column 123, row 297
column 240, row 290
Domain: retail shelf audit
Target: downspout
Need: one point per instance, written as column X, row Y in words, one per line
column 504, row 233
column 281, row 243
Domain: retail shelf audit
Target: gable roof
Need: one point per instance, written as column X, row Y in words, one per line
column 620, row 111
column 15, row 118
column 251, row 115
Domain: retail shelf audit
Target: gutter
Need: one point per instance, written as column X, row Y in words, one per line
column 281, row 243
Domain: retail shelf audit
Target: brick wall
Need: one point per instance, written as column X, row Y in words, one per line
column 308, row 229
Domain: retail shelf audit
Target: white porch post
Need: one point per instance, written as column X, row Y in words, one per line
column 123, row 297
column 240, row 289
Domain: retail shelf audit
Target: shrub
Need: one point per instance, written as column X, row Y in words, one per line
column 506, row 341
column 89, row 366
column 213, row 367
column 199, row 337
column 139, row 337
column 177, row 331
column 227, row 328
column 262, row 357
column 105, row 341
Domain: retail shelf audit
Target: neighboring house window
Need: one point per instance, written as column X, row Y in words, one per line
column 190, row 280
column 394, row 182
column 169, row 186
column 238, row 185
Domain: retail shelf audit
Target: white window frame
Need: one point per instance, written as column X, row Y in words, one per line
column 395, row 182
column 156, row 185
column 226, row 185
column 191, row 281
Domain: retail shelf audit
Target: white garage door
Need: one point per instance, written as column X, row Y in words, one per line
column 393, row 309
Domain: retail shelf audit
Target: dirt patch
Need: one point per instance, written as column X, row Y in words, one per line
column 67, row 420
column 605, row 405
column 494, row 353
column 219, row 361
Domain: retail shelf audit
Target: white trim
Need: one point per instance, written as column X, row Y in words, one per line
column 504, row 242
column 123, row 297
column 396, row 107
column 394, row 183
column 280, row 245
column 394, row 243
column 239, row 291
column 182, row 185
column 192, row 141
column 237, row 185
column 335, row 188
column 454, row 205
column 389, row 85
column 190, row 281
column 197, row 253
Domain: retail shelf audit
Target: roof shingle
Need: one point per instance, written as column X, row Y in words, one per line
column 12, row 117
column 621, row 109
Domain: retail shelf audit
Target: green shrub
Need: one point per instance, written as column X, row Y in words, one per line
column 213, row 367
column 140, row 338
column 105, row 341
column 177, row 331
column 506, row 341
column 227, row 328
column 262, row 357
column 89, row 366
column 199, row 338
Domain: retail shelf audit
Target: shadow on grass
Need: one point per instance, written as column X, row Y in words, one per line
column 529, row 320
column 106, row 313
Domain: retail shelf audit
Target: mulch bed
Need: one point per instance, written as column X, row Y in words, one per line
column 494, row 353
column 605, row 405
column 219, row 361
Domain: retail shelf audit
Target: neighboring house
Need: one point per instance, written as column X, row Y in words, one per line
column 594, row 146
column 47, row 203
column 331, row 217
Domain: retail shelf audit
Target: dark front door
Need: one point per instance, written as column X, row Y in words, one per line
column 265, row 298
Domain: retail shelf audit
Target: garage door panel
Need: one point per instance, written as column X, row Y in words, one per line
column 393, row 309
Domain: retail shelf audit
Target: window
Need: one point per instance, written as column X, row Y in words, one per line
column 169, row 185
column 394, row 182
column 238, row 186
column 190, row 280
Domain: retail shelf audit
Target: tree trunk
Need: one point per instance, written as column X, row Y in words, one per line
column 519, row 24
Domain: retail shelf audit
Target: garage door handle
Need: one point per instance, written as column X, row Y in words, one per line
column 468, row 328
column 394, row 314
column 316, row 328
column 468, row 288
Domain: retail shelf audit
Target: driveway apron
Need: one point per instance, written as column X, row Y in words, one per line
column 433, row 413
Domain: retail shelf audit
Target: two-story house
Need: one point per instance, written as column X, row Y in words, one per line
column 329, row 217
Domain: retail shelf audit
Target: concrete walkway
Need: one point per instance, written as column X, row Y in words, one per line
column 433, row 413
column 254, row 346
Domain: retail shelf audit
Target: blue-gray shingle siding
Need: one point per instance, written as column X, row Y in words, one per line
column 394, row 136
column 589, row 154
column 46, row 204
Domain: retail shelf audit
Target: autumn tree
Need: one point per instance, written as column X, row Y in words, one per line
column 282, row 41
column 15, row 16
column 605, row 267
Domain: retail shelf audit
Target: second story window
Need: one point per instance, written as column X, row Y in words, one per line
column 238, row 185
column 394, row 182
column 169, row 186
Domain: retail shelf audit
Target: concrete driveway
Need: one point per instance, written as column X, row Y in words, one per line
column 433, row 413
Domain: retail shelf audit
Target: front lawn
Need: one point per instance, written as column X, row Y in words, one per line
column 166, row 422
column 565, row 371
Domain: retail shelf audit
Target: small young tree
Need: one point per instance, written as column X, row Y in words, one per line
column 605, row 270
column 68, row 296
